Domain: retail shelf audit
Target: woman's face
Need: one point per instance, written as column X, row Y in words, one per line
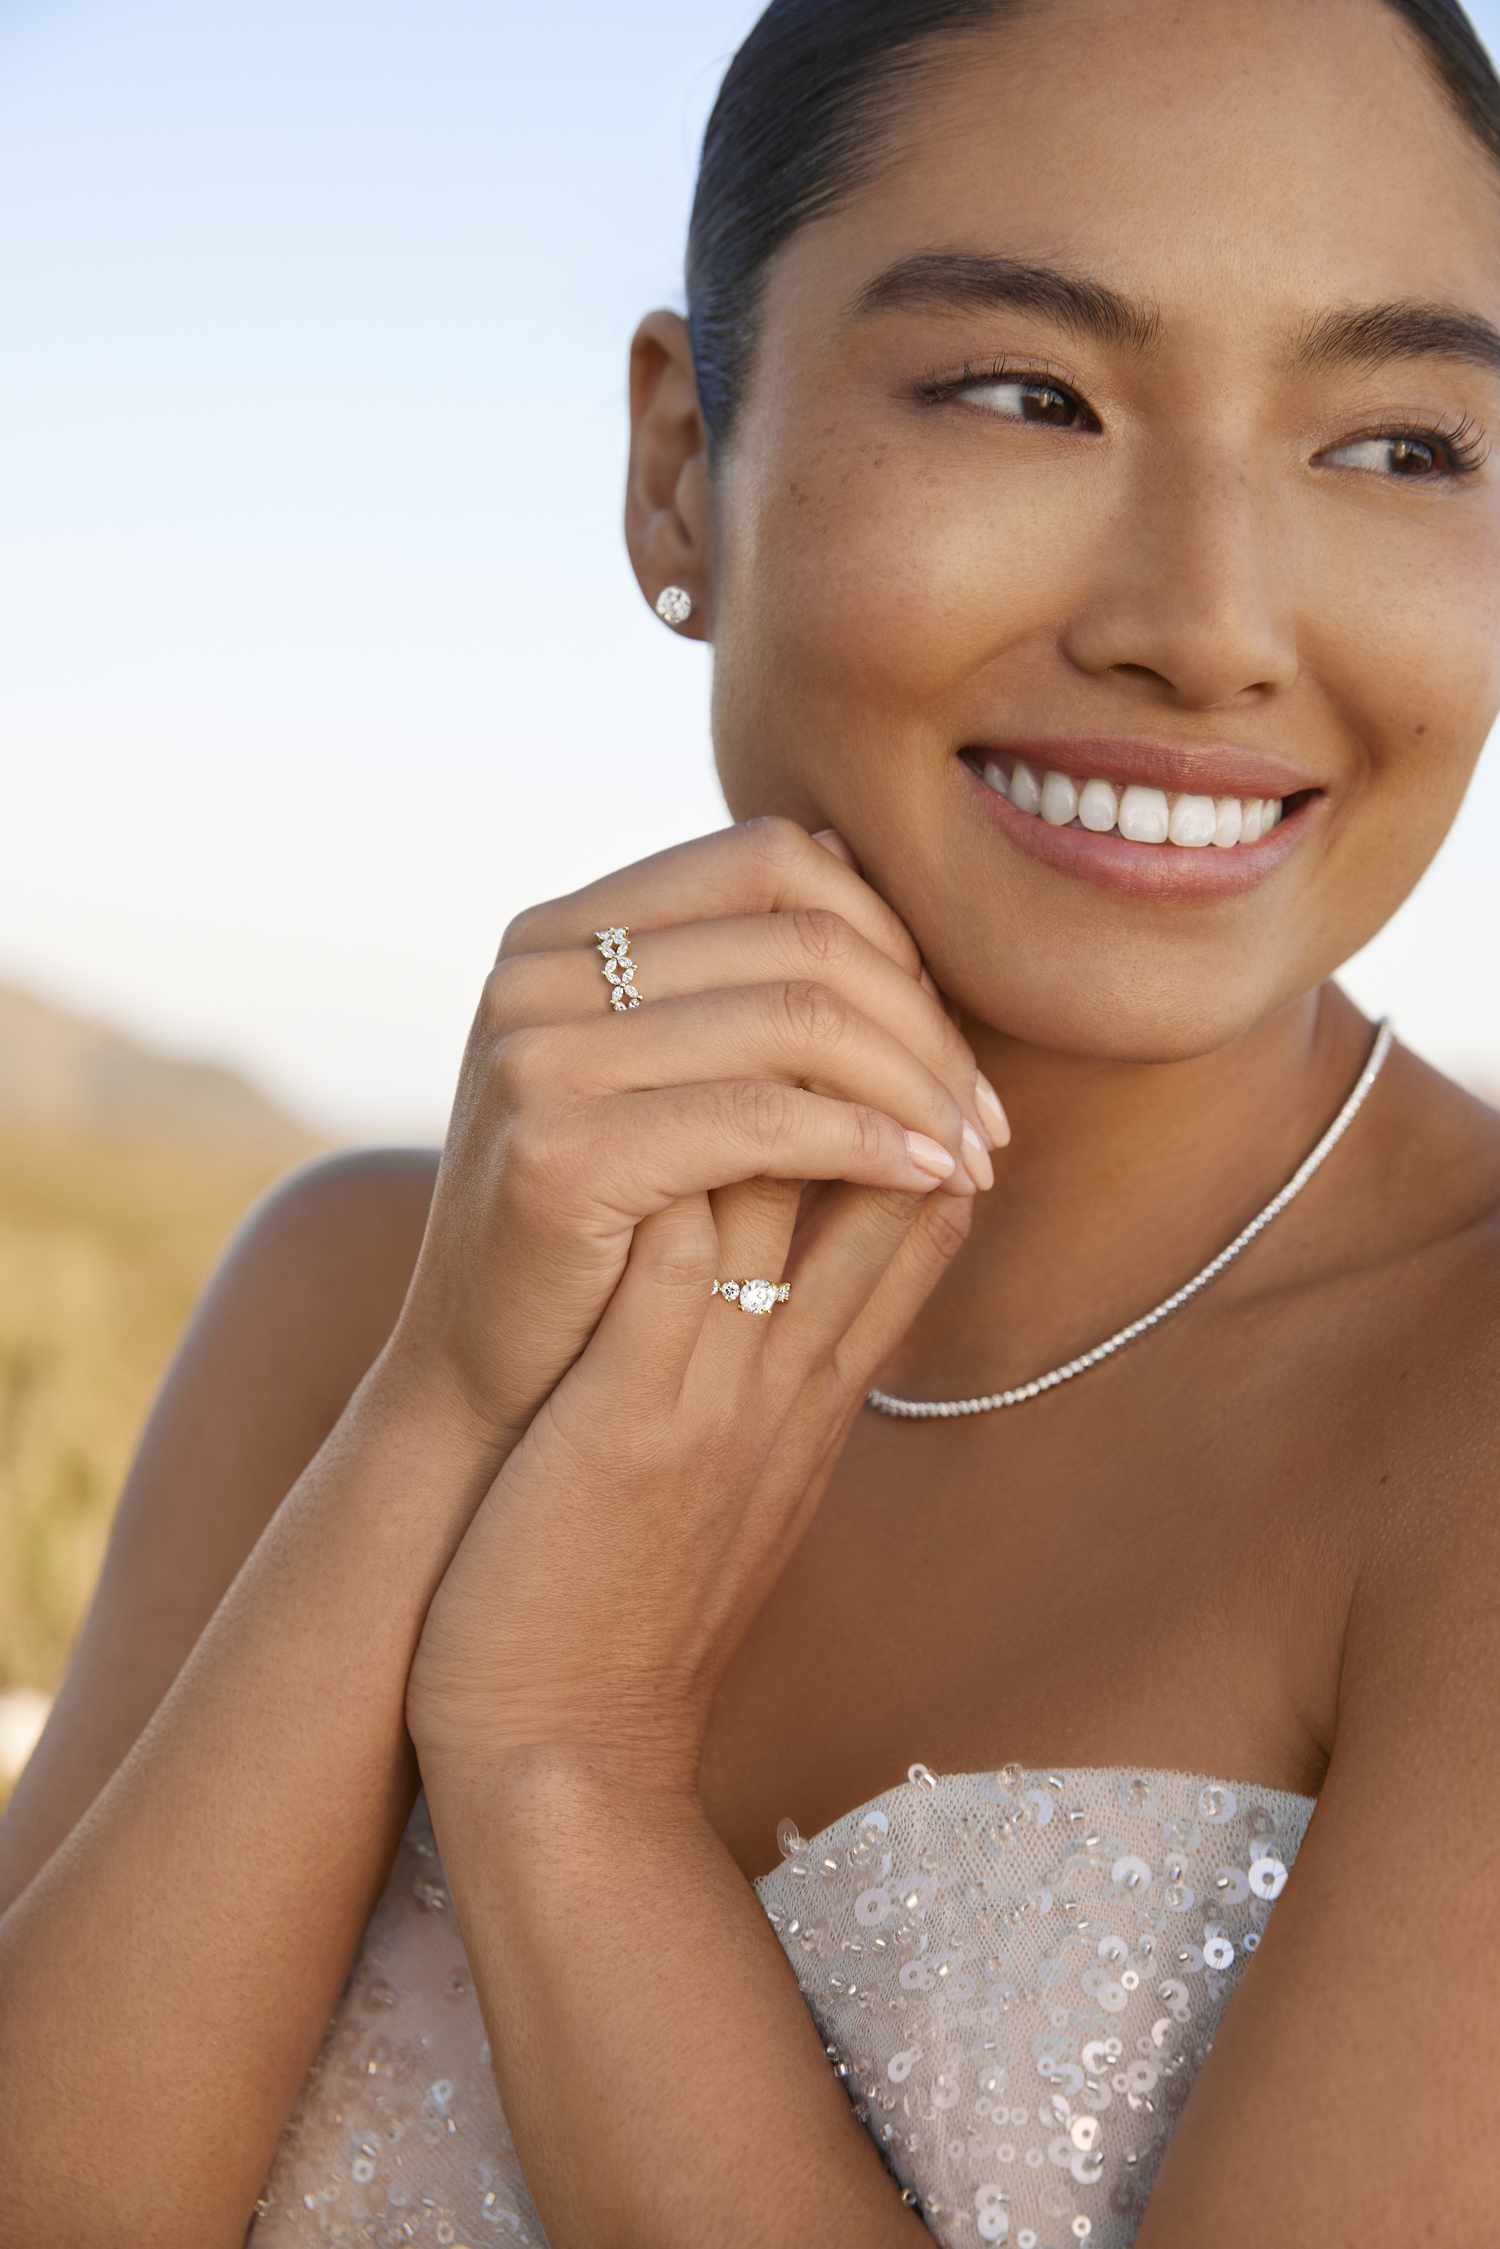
column 1189, row 539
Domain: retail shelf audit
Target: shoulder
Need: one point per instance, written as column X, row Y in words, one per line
column 1367, row 1981
column 374, row 1194
column 1425, row 1316
column 333, row 1243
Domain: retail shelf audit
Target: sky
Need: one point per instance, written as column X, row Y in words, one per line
column 322, row 652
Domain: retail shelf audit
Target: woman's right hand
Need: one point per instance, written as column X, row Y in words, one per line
column 787, row 1029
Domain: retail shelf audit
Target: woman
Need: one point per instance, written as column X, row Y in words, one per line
column 1031, row 458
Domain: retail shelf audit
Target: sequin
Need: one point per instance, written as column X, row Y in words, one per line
column 1016, row 1976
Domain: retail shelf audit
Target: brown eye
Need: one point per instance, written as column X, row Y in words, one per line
column 1059, row 406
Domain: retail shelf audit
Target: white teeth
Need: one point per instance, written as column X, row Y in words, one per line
column 1098, row 804
column 1193, row 821
column 1025, row 788
column 1059, row 800
column 1142, row 815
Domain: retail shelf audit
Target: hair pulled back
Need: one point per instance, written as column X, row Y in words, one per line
column 804, row 118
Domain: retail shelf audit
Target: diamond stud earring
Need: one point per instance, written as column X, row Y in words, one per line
column 674, row 605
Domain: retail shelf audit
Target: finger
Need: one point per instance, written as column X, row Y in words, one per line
column 812, row 942
column 603, row 1166
column 651, row 1327
column 862, row 1266
column 798, row 1029
column 754, row 1221
column 757, row 866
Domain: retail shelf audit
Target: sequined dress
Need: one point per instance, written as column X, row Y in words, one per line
column 1016, row 1974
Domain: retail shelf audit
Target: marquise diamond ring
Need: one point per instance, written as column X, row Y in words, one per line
column 614, row 944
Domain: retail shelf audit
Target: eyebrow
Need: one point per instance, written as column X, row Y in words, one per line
column 1360, row 336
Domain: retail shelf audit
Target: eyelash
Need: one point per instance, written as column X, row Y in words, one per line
column 1464, row 444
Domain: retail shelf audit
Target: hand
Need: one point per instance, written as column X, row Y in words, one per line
column 661, row 1486
column 619, row 1557
column 786, row 1025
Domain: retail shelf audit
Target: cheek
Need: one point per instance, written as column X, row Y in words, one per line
column 1427, row 695
column 863, row 570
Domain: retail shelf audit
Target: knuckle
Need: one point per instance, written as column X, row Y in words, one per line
column 497, row 1001
column 683, row 1247
column 871, row 1132
column 760, row 1110
column 520, row 1065
column 812, row 1012
column 777, row 840
column 681, row 1267
column 944, row 1226
column 515, row 938
column 537, row 1149
column 821, row 936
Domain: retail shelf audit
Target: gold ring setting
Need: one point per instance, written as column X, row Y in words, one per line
column 752, row 1296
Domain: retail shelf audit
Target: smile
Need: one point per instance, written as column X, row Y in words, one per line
column 1156, row 843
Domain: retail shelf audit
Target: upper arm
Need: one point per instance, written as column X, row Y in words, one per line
column 1351, row 2094
column 298, row 1306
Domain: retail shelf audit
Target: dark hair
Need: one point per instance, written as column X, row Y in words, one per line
column 802, row 120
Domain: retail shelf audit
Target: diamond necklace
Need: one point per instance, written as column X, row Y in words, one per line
column 922, row 1408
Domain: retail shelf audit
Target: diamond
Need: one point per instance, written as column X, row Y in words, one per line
column 731, row 1289
column 673, row 604
column 757, row 1296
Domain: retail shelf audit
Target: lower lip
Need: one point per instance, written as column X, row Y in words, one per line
column 1168, row 872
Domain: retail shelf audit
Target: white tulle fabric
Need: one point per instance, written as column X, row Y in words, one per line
column 1017, row 1976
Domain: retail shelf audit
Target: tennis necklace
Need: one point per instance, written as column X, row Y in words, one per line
column 926, row 1408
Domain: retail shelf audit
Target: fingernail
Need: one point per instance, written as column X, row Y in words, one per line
column 977, row 1157
column 832, row 841
column 929, row 1155
column 926, row 982
column 988, row 1101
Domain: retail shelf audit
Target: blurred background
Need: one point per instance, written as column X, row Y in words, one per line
column 313, row 335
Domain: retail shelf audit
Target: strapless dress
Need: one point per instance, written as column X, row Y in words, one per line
column 1016, row 1974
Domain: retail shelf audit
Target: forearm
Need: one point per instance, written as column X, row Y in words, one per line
column 167, row 1977
column 658, row 2066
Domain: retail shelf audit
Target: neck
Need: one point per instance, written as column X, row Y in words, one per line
column 1123, row 1179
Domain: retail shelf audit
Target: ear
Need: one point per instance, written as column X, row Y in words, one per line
column 668, row 494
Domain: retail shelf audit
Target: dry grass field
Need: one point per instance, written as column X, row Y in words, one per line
column 124, row 1171
column 103, row 1250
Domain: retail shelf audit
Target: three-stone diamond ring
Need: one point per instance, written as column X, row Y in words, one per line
column 752, row 1296
column 614, row 944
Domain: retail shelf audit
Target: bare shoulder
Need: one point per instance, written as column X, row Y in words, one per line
column 1384, row 1349
column 1426, row 1310
column 358, row 1213
column 297, row 1308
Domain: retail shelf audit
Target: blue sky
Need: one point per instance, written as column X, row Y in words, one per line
column 322, row 652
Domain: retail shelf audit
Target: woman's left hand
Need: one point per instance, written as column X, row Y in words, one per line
column 618, row 1559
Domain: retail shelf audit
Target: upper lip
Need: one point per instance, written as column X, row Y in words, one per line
column 1226, row 769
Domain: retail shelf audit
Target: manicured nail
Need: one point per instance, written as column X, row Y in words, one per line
column 977, row 1157
column 929, row 1155
column 832, row 841
column 994, row 1116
